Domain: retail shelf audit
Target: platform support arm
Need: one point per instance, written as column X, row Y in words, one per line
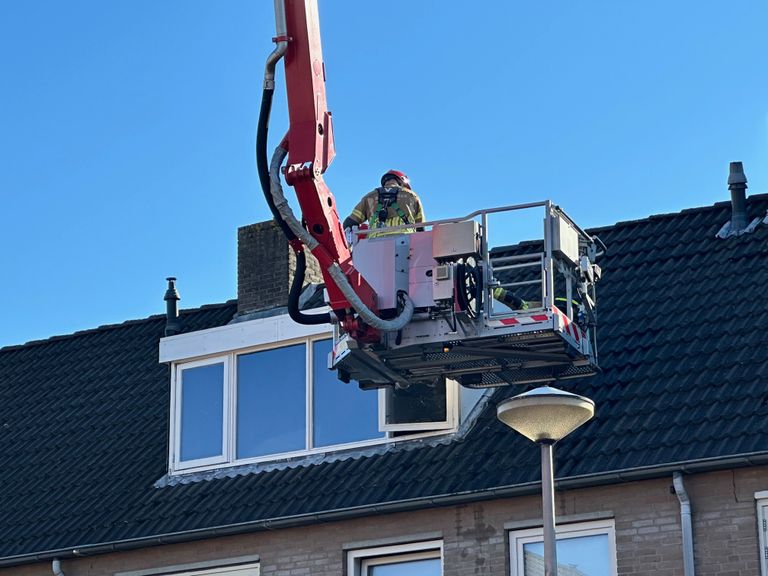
column 311, row 149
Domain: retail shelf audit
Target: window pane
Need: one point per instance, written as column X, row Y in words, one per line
column 417, row 403
column 271, row 401
column 342, row 412
column 202, row 412
column 583, row 556
column 428, row 567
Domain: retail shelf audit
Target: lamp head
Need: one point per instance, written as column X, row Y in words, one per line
column 545, row 414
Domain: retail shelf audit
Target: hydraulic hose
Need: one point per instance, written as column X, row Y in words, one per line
column 263, row 170
column 261, row 158
column 291, row 227
column 397, row 323
column 301, row 262
column 281, row 204
column 334, row 270
column 297, row 284
column 281, row 47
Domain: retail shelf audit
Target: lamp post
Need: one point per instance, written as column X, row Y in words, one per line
column 546, row 415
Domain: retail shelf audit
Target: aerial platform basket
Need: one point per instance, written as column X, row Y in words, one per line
column 465, row 327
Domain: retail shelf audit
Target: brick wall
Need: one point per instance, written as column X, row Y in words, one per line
column 724, row 521
column 646, row 514
column 265, row 267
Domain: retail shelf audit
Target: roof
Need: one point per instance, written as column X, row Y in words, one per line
column 84, row 418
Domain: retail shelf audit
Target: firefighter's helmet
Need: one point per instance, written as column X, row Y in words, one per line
column 400, row 176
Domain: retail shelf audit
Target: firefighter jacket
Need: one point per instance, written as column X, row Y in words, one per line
column 406, row 209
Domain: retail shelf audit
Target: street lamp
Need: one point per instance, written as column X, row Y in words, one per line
column 546, row 415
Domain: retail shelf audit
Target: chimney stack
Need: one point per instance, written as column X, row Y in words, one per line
column 737, row 184
column 265, row 268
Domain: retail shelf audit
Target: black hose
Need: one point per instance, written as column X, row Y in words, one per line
column 293, row 296
column 301, row 260
column 262, row 163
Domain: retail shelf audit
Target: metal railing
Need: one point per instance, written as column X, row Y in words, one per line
column 519, row 271
column 551, row 265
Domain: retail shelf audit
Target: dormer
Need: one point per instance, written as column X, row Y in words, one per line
column 258, row 390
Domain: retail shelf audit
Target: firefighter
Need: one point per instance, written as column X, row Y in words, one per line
column 510, row 299
column 392, row 204
column 395, row 204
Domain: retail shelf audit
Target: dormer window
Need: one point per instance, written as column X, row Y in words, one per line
column 261, row 390
column 201, row 417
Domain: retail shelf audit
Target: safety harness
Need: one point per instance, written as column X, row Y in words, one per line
column 384, row 202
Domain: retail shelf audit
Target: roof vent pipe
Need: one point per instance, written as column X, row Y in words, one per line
column 737, row 184
column 172, row 324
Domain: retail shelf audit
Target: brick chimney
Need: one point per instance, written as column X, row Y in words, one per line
column 265, row 268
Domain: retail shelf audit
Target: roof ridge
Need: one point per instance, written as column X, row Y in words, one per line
column 717, row 205
column 116, row 325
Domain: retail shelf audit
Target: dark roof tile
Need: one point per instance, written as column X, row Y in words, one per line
column 684, row 358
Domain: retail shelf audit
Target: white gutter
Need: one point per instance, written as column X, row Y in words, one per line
column 685, row 521
column 56, row 567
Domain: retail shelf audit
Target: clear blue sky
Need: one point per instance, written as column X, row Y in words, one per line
column 127, row 127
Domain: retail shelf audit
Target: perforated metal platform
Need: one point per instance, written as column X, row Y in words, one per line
column 535, row 355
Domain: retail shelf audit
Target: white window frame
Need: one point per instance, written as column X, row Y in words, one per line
column 248, row 565
column 224, row 344
column 518, row 538
column 762, row 529
column 359, row 561
column 175, row 445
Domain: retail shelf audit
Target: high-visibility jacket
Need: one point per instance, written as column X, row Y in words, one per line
column 509, row 298
column 406, row 209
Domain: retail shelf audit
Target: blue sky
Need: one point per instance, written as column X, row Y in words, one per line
column 127, row 128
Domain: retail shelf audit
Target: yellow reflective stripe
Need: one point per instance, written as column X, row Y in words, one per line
column 357, row 215
column 396, row 221
column 392, row 233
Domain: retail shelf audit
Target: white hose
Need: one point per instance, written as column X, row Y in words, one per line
column 366, row 313
column 276, row 189
column 334, row 270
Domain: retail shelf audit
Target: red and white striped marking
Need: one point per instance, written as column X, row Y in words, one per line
column 534, row 319
column 569, row 327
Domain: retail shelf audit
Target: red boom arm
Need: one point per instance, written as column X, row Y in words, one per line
column 311, row 150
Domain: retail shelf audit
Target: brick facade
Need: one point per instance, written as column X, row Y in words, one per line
column 475, row 536
column 265, row 267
